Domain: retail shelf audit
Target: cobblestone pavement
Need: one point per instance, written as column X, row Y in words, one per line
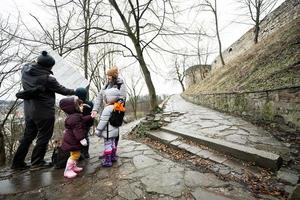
column 210, row 123
column 145, row 173
column 140, row 173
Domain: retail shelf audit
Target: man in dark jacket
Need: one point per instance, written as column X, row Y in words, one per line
column 39, row 111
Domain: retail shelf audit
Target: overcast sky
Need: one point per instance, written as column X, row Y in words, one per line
column 227, row 12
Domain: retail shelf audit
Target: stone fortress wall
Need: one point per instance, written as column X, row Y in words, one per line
column 285, row 13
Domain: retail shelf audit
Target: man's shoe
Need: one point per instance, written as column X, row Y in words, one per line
column 86, row 155
column 21, row 166
column 85, row 152
column 41, row 165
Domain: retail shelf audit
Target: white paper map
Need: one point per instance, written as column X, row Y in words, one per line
column 66, row 74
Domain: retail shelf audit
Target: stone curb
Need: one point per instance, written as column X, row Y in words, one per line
column 259, row 157
column 168, row 139
column 173, row 141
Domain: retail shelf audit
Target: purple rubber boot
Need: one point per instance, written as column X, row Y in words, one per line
column 114, row 157
column 106, row 162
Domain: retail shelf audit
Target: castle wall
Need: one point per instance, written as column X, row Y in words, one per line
column 285, row 13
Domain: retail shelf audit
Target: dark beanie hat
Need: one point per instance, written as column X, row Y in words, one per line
column 81, row 93
column 45, row 60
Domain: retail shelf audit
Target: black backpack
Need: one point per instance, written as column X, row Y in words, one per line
column 116, row 118
column 59, row 158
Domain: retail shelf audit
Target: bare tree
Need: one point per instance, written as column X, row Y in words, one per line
column 203, row 54
column 212, row 6
column 98, row 64
column 72, row 31
column 58, row 36
column 12, row 54
column 139, row 29
column 256, row 10
column 134, row 89
column 136, row 26
column 178, row 72
column 89, row 14
column 13, row 128
column 133, row 30
column 96, row 72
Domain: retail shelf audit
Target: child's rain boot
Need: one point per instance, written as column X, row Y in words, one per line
column 69, row 173
column 77, row 169
column 114, row 156
column 106, row 162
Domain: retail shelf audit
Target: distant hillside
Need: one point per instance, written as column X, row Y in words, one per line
column 271, row 64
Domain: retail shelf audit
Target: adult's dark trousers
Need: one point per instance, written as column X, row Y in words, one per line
column 42, row 129
column 85, row 149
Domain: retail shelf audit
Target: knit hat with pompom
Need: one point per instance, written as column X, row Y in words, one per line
column 45, row 60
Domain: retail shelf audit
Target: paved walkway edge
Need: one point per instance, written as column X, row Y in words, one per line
column 259, row 157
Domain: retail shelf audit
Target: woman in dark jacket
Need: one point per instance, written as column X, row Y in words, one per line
column 74, row 133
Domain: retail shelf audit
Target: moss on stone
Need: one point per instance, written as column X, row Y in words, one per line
column 268, row 111
column 240, row 102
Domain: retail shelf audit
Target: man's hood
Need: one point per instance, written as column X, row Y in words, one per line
column 35, row 69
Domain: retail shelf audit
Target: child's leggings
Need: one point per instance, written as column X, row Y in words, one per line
column 109, row 145
column 74, row 155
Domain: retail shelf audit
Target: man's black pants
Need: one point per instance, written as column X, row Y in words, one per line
column 42, row 129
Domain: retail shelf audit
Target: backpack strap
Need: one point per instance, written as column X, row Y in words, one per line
column 106, row 86
column 107, row 131
column 115, row 83
column 119, row 85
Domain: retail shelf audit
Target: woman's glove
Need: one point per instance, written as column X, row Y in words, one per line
column 98, row 133
column 83, row 142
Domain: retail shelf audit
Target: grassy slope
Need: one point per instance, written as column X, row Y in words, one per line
column 270, row 64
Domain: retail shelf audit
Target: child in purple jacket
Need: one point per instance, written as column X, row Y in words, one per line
column 74, row 133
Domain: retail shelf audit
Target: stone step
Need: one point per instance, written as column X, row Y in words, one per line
column 261, row 158
column 175, row 141
column 230, row 165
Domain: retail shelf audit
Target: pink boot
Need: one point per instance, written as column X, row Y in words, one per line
column 77, row 169
column 69, row 173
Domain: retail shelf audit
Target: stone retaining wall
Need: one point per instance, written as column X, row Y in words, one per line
column 281, row 107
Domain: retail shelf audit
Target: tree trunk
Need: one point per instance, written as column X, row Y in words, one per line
column 218, row 35
column 136, row 42
column 2, row 148
column 135, row 108
column 149, row 83
column 256, row 33
column 147, row 76
column 182, row 86
column 257, row 22
column 86, row 40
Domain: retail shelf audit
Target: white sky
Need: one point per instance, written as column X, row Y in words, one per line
column 227, row 12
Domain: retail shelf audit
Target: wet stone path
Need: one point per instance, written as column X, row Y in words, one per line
column 210, row 123
column 140, row 173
